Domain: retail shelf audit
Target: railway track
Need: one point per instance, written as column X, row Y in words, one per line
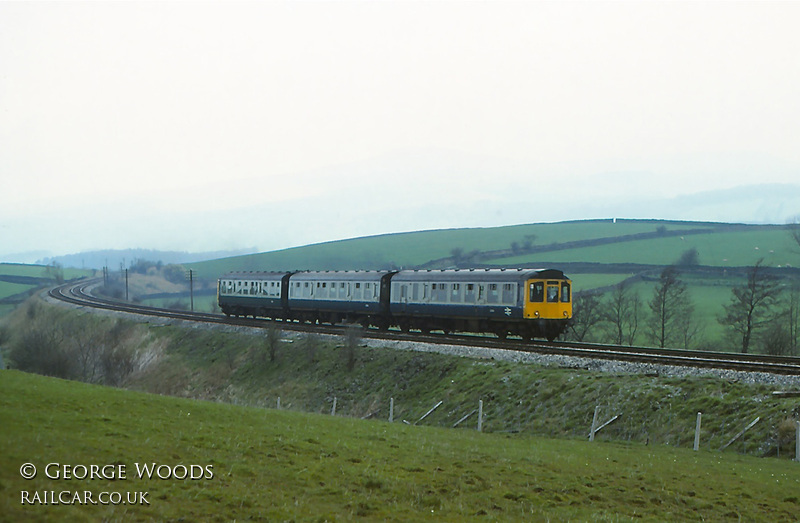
column 79, row 293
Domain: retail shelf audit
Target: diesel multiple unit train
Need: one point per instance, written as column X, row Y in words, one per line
column 529, row 303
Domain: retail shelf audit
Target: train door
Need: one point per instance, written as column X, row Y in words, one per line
column 481, row 299
column 404, row 295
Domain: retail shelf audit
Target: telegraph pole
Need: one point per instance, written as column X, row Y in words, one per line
column 191, row 289
column 126, row 284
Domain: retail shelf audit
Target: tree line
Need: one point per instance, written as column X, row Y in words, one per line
column 763, row 314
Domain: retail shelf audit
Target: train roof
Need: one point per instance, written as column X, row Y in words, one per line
column 340, row 275
column 254, row 275
column 477, row 275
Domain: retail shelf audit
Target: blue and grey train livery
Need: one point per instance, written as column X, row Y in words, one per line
column 523, row 302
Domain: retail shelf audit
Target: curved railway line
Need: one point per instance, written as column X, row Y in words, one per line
column 78, row 293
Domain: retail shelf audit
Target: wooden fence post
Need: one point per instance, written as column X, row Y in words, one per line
column 697, row 432
column 391, row 410
column 594, row 423
column 279, row 403
column 333, row 409
column 480, row 415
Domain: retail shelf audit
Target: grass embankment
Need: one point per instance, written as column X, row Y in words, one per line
column 278, row 465
column 308, row 372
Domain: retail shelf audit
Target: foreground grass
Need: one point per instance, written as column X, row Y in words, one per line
column 277, row 465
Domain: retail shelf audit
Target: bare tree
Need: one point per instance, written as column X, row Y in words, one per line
column 794, row 229
column 670, row 297
column 751, row 304
column 688, row 329
column 586, row 314
column 272, row 341
column 622, row 315
column 793, row 315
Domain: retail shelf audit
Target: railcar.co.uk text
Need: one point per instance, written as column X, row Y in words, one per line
column 108, row 472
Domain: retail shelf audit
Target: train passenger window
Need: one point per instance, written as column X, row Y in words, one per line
column 469, row 293
column 552, row 293
column 537, row 292
column 439, row 293
column 455, row 294
column 509, row 293
column 565, row 292
column 494, row 295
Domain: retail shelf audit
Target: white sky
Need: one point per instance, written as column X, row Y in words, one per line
column 187, row 125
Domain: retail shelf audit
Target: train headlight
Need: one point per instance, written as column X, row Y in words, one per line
column 565, row 314
column 536, row 313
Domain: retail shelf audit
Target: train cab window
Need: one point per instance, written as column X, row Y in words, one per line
column 565, row 292
column 552, row 291
column 537, row 292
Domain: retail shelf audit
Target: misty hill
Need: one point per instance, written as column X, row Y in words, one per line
column 113, row 259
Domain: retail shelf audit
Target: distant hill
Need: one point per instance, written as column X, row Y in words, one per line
column 114, row 258
column 649, row 242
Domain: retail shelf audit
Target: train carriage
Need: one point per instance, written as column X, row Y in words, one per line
column 524, row 302
column 254, row 294
column 336, row 296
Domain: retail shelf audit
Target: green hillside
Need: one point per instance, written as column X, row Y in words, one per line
column 596, row 254
column 264, row 464
column 602, row 241
column 18, row 280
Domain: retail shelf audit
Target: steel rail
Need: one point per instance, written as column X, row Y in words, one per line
column 78, row 293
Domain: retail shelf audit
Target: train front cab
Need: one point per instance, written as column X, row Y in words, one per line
column 548, row 303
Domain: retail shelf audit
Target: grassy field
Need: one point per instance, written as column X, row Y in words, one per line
column 277, row 465
column 719, row 249
column 18, row 280
column 38, row 271
column 721, row 245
